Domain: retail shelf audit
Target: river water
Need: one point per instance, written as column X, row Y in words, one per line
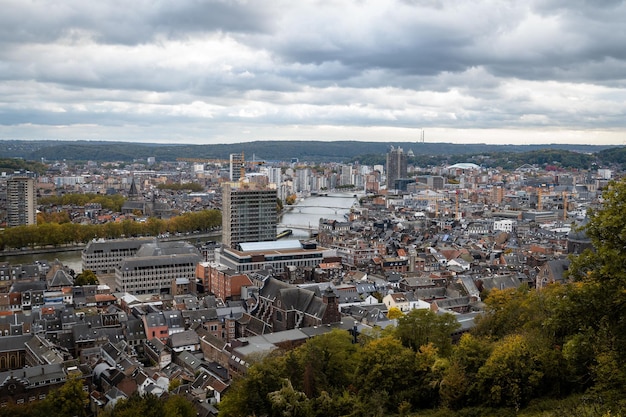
column 306, row 214
column 301, row 217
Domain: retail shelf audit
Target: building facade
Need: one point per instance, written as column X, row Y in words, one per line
column 396, row 166
column 103, row 256
column 236, row 167
column 21, row 201
column 278, row 255
column 248, row 214
column 155, row 266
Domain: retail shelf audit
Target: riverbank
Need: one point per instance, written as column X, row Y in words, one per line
column 81, row 246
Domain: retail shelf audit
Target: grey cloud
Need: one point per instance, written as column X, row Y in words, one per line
column 129, row 22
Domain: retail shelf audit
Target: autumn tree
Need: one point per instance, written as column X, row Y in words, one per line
column 394, row 313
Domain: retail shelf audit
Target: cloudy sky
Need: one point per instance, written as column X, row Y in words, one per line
column 222, row 71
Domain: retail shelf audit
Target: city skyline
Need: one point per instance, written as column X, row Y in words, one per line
column 537, row 72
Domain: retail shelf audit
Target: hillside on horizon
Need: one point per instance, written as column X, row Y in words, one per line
column 312, row 151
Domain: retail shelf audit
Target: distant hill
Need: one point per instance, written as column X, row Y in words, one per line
column 312, row 151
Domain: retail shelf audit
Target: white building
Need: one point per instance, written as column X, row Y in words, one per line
column 506, row 225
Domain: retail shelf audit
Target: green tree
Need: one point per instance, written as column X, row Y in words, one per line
column 287, row 402
column 148, row 405
column 420, row 327
column 177, row 406
column 511, row 375
column 459, row 384
column 69, row 400
column 601, row 274
column 323, row 363
column 249, row 395
column 87, row 277
column 387, row 368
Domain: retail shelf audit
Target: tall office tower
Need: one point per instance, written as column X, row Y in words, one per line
column 346, row 175
column 396, row 166
column 21, row 202
column 248, row 214
column 303, row 180
column 236, row 166
column 275, row 175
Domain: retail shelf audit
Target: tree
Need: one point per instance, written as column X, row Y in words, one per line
column 287, row 402
column 459, row 384
column 394, row 313
column 249, row 395
column 386, row 368
column 601, row 273
column 323, row 363
column 177, row 406
column 87, row 277
column 69, row 400
column 420, row 326
column 516, row 371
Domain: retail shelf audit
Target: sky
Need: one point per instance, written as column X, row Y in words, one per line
column 222, row 71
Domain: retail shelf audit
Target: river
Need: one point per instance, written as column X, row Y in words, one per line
column 300, row 217
column 305, row 215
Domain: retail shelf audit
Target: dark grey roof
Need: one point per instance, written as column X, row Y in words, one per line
column 158, row 261
column 155, row 319
column 158, row 248
column 115, row 244
column 201, row 315
column 174, row 319
column 184, row 338
column 60, row 279
column 134, row 330
column 14, row 343
column 23, row 286
column 36, row 374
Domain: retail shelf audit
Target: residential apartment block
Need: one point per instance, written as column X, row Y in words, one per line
column 21, row 201
column 248, row 214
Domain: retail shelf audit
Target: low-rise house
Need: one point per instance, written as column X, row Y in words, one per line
column 187, row 340
column 158, row 352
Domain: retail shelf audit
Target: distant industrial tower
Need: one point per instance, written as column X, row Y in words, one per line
column 237, row 170
column 21, row 202
column 248, row 213
column 396, row 166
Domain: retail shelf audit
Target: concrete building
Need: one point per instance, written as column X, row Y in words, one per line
column 103, row 256
column 155, row 266
column 236, row 167
column 396, row 166
column 254, row 256
column 21, row 201
column 248, row 214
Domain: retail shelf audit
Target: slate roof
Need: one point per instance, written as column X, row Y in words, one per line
column 184, row 338
column 60, row 278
